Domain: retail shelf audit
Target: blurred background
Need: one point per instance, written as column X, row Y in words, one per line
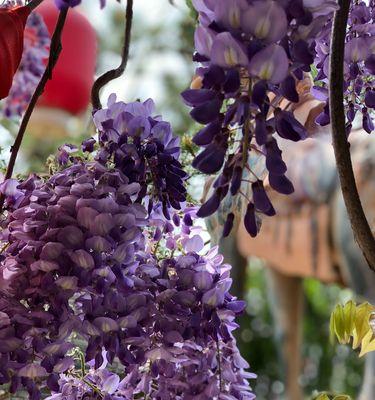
column 160, row 67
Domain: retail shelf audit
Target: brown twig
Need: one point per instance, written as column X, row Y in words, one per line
column 115, row 73
column 33, row 4
column 55, row 51
column 361, row 229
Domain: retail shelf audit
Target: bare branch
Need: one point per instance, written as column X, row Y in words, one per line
column 33, row 4
column 55, row 51
column 361, row 229
column 115, row 73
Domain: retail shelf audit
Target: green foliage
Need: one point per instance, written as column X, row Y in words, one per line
column 193, row 12
column 353, row 322
column 328, row 396
column 325, row 366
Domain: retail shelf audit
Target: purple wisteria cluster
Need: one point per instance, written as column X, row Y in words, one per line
column 189, row 349
column 144, row 148
column 95, row 255
column 359, row 67
column 63, row 4
column 36, row 51
column 252, row 55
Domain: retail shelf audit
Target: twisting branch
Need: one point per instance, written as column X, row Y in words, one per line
column 55, row 51
column 359, row 223
column 115, row 73
column 33, row 4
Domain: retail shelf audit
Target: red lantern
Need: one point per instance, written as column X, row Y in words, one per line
column 70, row 87
column 12, row 25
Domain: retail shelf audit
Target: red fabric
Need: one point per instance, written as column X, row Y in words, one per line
column 73, row 75
column 12, row 25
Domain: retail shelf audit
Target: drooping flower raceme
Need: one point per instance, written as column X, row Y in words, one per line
column 144, row 148
column 359, row 67
column 63, row 4
column 191, row 353
column 251, row 54
column 93, row 254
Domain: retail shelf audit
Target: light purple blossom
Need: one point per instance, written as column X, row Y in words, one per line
column 93, row 251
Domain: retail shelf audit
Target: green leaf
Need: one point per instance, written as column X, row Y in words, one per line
column 352, row 321
column 193, row 12
column 368, row 343
column 362, row 323
column 339, row 325
column 349, row 318
column 322, row 396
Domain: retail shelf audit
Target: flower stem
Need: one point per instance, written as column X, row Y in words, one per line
column 115, row 73
column 33, row 4
column 361, row 229
column 55, row 51
column 219, row 365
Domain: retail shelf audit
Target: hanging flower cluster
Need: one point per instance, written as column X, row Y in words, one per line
column 191, row 353
column 359, row 67
column 252, row 54
column 142, row 147
column 63, row 4
column 36, row 43
column 82, row 260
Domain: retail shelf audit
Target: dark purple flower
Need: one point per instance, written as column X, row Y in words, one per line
column 228, row 225
column 370, row 98
column 281, row 184
column 261, row 200
column 288, row 127
column 250, row 220
column 62, row 4
column 211, row 159
column 210, row 206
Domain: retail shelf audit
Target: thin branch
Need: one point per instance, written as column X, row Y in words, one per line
column 219, row 365
column 33, row 4
column 55, row 51
column 361, row 229
column 115, row 73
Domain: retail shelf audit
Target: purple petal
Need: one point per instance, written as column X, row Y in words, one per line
column 370, row 98
column 227, row 52
column 194, row 244
column 207, row 134
column 210, row 206
column 356, row 50
column 203, row 280
column 266, row 20
column 250, row 221
column 83, row 259
column 106, row 324
column 43, row 265
column 261, row 200
column 211, row 159
column 111, row 384
column 288, row 127
column 103, row 223
column 228, row 13
column 51, row 251
column 204, row 38
column 281, row 184
column 32, row 371
column 270, row 64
